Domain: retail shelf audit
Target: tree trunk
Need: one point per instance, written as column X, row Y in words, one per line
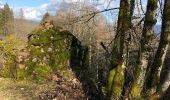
column 166, row 95
column 154, row 75
column 145, row 48
column 117, row 69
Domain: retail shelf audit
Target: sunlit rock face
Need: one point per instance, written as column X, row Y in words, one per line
column 51, row 49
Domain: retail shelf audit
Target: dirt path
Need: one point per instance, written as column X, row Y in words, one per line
column 22, row 90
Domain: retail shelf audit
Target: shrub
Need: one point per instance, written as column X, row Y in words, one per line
column 8, row 49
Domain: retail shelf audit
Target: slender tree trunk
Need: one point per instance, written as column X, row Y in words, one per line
column 117, row 69
column 145, row 48
column 154, row 75
column 165, row 82
column 128, row 77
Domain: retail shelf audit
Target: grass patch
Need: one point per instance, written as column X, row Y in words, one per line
column 22, row 90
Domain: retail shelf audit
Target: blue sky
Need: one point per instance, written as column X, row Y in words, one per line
column 25, row 3
column 35, row 9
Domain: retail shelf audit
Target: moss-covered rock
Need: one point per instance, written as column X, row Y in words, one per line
column 48, row 50
column 51, row 47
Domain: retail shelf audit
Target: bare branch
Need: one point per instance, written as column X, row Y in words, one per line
column 93, row 14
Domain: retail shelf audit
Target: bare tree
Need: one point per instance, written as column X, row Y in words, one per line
column 145, row 48
column 156, row 67
column 118, row 60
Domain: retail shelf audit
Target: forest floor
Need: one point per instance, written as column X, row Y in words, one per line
column 22, row 90
column 49, row 90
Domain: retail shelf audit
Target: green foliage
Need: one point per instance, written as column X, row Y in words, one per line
column 22, row 74
column 8, row 49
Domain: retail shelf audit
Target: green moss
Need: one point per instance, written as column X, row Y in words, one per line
column 118, row 81
column 36, row 51
column 41, row 73
column 110, row 80
column 115, row 82
column 151, row 9
column 22, row 74
column 49, row 47
column 136, row 90
column 154, row 4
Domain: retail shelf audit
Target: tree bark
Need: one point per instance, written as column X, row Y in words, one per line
column 154, row 75
column 166, row 95
column 145, row 48
column 117, row 68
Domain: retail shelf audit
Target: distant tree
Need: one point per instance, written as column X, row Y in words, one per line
column 23, row 26
column 20, row 27
column 21, row 14
column 45, row 17
column 8, row 20
column 1, row 21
